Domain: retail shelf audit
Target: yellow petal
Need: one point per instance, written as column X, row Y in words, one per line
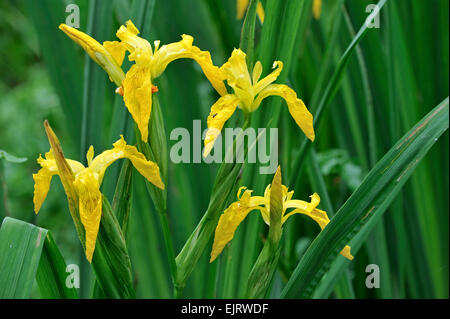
column 228, row 223
column 238, row 77
column 317, row 8
column 184, row 49
column 148, row 169
column 90, row 207
column 319, row 216
column 297, row 108
column 116, row 49
column 257, row 71
column 258, row 202
column 346, row 252
column 137, row 95
column 90, row 155
column 140, row 49
column 42, row 181
column 263, row 83
column 276, row 199
column 65, row 170
column 97, row 52
column 44, row 176
column 260, row 11
column 221, row 111
column 309, row 209
column 241, row 7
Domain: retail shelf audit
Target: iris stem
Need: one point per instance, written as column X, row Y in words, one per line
column 169, row 246
column 156, row 150
column 226, row 179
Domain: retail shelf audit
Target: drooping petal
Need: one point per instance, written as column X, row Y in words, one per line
column 238, row 77
column 263, row 83
column 229, row 222
column 97, row 52
column 221, row 111
column 184, row 49
column 297, row 108
column 137, row 95
column 307, row 208
column 42, row 181
column 44, row 176
column 148, row 169
column 319, row 216
column 90, row 207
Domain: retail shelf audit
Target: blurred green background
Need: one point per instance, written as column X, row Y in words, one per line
column 399, row 74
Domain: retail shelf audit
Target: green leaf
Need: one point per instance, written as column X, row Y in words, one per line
column 51, row 273
column 111, row 262
column 95, row 79
column 61, row 58
column 20, row 252
column 248, row 33
column 224, row 183
column 330, row 91
column 368, row 202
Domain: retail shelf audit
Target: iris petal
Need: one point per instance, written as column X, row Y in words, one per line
column 90, row 207
column 184, row 49
column 137, row 95
column 229, row 222
column 297, row 108
column 146, row 168
column 221, row 111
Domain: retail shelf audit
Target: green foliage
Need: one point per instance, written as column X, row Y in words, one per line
column 21, row 247
column 366, row 87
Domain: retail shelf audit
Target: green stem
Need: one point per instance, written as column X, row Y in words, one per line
column 156, row 150
column 168, row 243
column 224, row 183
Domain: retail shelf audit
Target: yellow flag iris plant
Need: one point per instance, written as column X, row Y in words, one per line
column 85, row 181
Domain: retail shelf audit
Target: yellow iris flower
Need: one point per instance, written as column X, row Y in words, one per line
column 237, row 211
column 248, row 95
column 242, row 5
column 86, row 181
column 136, row 86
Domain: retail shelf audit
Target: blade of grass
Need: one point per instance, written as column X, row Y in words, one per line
column 344, row 288
column 61, row 59
column 95, row 79
column 51, row 273
column 371, row 199
column 290, row 15
column 21, row 246
column 331, row 90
